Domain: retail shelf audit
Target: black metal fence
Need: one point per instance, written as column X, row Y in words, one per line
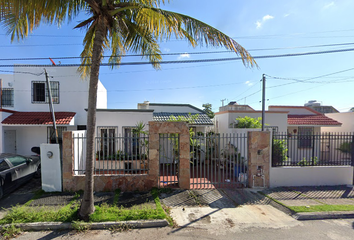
column 319, row 149
column 114, row 155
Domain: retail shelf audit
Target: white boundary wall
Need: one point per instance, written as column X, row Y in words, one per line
column 311, row 176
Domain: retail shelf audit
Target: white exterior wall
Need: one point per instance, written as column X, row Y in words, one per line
column 3, row 115
column 122, row 119
column 272, row 119
column 72, row 89
column 30, row 136
column 347, row 120
column 101, row 96
column 311, row 176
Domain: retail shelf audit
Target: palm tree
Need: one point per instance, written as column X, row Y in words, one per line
column 117, row 26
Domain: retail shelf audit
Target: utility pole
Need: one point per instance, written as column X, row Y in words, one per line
column 263, row 100
column 51, row 108
column 222, row 101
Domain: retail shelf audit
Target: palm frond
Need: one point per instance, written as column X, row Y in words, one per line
column 20, row 17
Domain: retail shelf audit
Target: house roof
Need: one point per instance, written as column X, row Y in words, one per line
column 176, row 105
column 202, row 119
column 38, row 118
column 312, row 120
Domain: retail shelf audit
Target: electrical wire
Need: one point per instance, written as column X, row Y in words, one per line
column 190, row 61
column 172, row 54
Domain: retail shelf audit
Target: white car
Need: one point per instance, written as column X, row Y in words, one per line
column 16, row 170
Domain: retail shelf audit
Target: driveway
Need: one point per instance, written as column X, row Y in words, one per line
column 224, row 210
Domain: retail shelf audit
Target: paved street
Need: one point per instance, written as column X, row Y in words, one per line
column 318, row 229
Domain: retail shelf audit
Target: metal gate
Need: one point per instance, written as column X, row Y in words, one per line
column 218, row 160
column 169, row 159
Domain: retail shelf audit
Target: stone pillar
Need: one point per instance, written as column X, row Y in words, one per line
column 181, row 128
column 67, row 160
column 258, row 157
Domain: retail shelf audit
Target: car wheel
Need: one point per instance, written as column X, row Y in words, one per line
column 37, row 174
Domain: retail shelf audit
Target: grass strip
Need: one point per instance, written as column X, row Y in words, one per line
column 107, row 212
column 26, row 214
column 321, row 208
column 68, row 213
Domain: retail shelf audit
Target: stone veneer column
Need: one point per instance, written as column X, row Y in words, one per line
column 181, row 128
column 67, row 160
column 258, row 156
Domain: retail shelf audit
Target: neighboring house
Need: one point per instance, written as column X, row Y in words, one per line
column 320, row 108
column 225, row 119
column 347, row 120
column 25, row 117
column 115, row 126
column 303, row 135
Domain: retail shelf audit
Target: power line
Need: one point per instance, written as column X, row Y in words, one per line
column 169, row 54
column 190, row 61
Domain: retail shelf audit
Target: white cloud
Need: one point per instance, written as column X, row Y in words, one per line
column 248, row 83
column 287, row 15
column 183, row 56
column 167, row 49
column 267, row 17
column 331, row 4
column 260, row 23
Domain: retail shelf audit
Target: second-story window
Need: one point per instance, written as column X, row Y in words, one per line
column 7, row 97
column 40, row 92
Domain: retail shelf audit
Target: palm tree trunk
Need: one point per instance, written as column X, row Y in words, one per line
column 87, row 204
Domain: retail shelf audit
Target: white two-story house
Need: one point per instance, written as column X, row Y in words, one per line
column 26, row 120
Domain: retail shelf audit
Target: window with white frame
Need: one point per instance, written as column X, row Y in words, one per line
column 7, row 97
column 107, row 140
column 305, row 135
column 40, row 92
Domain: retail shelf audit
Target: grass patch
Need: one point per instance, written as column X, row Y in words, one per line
column 9, row 232
column 68, row 213
column 25, row 214
column 321, row 208
column 107, row 212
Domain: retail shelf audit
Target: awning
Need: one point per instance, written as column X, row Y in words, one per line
column 38, row 118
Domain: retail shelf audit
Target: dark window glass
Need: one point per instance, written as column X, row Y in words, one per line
column 3, row 165
column 7, row 97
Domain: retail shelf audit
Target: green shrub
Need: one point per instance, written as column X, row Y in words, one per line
column 279, row 151
column 345, row 147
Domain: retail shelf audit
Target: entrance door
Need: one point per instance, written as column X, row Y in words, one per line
column 10, row 141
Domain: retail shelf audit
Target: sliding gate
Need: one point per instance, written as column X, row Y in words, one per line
column 169, row 160
column 218, row 160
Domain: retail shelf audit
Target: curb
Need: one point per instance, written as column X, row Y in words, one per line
column 42, row 226
column 323, row 215
column 305, row 216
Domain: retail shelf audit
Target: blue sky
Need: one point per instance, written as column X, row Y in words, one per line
column 263, row 27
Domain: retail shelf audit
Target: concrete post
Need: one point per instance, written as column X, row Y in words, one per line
column 258, row 158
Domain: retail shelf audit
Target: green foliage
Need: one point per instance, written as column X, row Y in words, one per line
column 248, row 122
column 107, row 212
column 304, row 162
column 9, row 232
column 207, row 108
column 279, row 151
column 345, row 147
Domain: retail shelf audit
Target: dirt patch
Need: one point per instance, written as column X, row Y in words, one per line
column 141, row 199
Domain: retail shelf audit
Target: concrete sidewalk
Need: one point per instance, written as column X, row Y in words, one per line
column 311, row 196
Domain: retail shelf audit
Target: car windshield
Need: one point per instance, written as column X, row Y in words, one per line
column 16, row 160
column 3, row 165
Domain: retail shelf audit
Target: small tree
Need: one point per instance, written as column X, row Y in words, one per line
column 248, row 122
column 207, row 108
